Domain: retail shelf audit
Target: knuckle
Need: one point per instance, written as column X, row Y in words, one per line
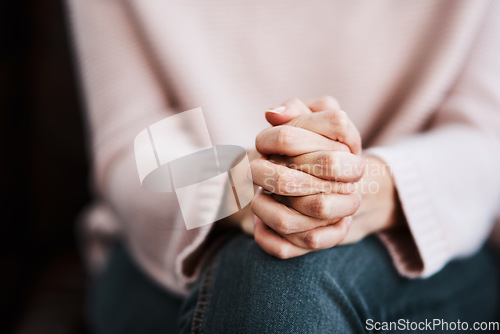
column 335, row 117
column 282, row 253
column 282, row 224
column 329, row 102
column 331, row 118
column 284, row 183
column 312, row 240
column 330, row 164
column 319, row 206
column 339, row 119
column 284, row 137
column 258, row 237
column 279, row 182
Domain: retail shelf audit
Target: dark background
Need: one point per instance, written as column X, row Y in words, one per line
column 44, row 171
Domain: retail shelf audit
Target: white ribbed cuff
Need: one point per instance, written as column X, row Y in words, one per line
column 428, row 252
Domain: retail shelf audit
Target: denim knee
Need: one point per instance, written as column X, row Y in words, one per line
column 254, row 290
column 335, row 290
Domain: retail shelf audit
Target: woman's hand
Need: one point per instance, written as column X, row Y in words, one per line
column 244, row 218
column 311, row 159
column 380, row 209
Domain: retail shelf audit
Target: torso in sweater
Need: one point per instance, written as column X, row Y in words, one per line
column 237, row 59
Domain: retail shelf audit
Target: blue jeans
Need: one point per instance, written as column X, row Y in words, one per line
column 332, row 291
column 340, row 290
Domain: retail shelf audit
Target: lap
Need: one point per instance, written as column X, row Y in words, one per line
column 338, row 289
column 124, row 300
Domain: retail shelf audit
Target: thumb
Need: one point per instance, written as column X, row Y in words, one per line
column 286, row 112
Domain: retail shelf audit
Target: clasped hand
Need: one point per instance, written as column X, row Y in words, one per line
column 308, row 172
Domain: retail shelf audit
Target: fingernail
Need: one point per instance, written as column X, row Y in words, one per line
column 349, row 221
column 254, row 220
column 277, row 110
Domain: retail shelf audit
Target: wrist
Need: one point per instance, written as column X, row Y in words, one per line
column 380, row 203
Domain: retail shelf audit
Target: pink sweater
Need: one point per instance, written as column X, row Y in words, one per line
column 420, row 80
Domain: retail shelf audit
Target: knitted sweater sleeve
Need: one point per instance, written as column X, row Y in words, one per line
column 447, row 178
column 124, row 95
